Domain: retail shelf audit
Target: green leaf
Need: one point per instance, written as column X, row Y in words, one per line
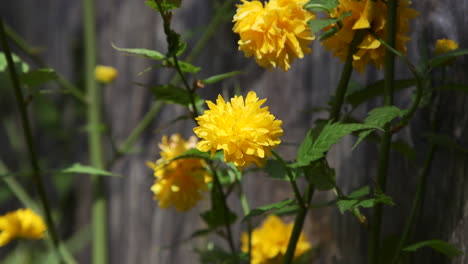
column 21, row 66
column 321, row 5
column 184, row 66
column 195, row 153
column 38, row 77
column 355, row 200
column 321, row 175
column 166, row 5
column 150, row 54
column 358, row 97
column 172, row 94
column 447, row 57
column 363, row 191
column 329, row 33
column 318, row 24
column 220, row 77
column 83, row 169
column 445, row 141
column 438, row 245
column 276, row 170
column 311, row 150
column 379, row 117
column 270, row 208
column 219, row 215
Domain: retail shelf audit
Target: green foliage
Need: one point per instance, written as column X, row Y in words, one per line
column 270, row 208
column 445, row 141
column 321, row 175
column 359, row 96
column 184, row 66
column 173, row 94
column 215, row 255
column 379, row 117
column 311, row 150
column 220, row 77
column 358, row 199
column 276, row 170
column 166, row 5
column 438, row 245
column 147, row 53
column 318, row 24
column 453, row 87
column 83, row 169
column 445, row 58
column 38, row 77
column 195, row 153
column 219, row 214
column 321, row 5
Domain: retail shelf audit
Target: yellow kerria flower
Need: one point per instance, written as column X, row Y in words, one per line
column 22, row 223
column 180, row 182
column 270, row 242
column 245, row 132
column 275, row 33
column 372, row 15
column 444, row 46
column 105, row 74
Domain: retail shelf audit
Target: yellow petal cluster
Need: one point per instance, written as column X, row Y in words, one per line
column 270, row 241
column 22, row 223
column 105, row 74
column 180, row 182
column 245, row 131
column 275, row 33
column 368, row 14
column 444, row 46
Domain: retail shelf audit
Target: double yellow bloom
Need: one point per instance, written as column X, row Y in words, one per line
column 22, row 223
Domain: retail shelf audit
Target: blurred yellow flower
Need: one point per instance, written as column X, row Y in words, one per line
column 275, row 33
column 22, row 223
column 270, row 242
column 372, row 15
column 245, row 132
column 444, row 46
column 105, row 74
column 180, row 182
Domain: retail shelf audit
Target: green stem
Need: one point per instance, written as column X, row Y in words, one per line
column 37, row 177
column 99, row 207
column 298, row 224
column 346, row 75
column 297, row 193
column 246, row 209
column 217, row 185
column 389, row 72
column 31, row 52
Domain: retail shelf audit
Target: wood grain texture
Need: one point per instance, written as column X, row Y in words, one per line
column 140, row 232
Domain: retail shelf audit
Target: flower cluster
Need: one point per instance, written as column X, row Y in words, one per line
column 178, row 182
column 275, row 33
column 270, row 241
column 368, row 14
column 245, row 131
column 22, row 223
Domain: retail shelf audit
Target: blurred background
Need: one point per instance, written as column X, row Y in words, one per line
column 141, row 232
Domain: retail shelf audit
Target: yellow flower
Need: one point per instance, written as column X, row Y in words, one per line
column 270, row 242
column 444, row 46
column 372, row 15
column 245, row 132
column 275, row 33
column 105, row 74
column 180, row 182
column 22, row 223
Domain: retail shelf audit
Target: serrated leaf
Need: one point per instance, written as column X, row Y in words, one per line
column 321, row 5
column 172, row 94
column 84, row 169
column 438, row 245
column 184, row 66
column 376, row 89
column 443, row 140
column 346, row 205
column 363, row 191
column 321, row 175
column 220, row 77
column 38, row 77
column 318, row 24
column 447, row 57
column 147, row 53
column 276, row 170
column 166, row 5
column 311, row 150
column 379, row 117
column 269, row 208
